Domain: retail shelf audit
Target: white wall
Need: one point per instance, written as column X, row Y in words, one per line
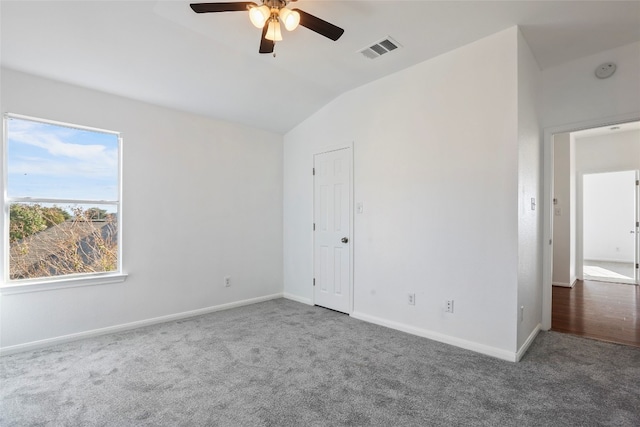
column 613, row 152
column 436, row 166
column 608, row 153
column 608, row 216
column 529, row 187
column 564, row 219
column 573, row 94
column 202, row 199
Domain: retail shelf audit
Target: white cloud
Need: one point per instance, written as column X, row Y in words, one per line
column 49, row 167
column 58, row 156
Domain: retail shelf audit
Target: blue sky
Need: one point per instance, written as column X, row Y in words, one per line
column 50, row 161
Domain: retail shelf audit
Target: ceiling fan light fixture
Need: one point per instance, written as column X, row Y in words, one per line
column 268, row 17
column 273, row 31
column 290, row 18
column 259, row 15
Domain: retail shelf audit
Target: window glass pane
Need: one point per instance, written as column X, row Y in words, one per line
column 57, row 162
column 54, row 240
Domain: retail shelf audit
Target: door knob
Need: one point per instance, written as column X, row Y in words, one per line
column 344, row 240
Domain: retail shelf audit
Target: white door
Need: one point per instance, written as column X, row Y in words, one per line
column 332, row 230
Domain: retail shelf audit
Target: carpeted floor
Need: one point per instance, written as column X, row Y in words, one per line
column 281, row 363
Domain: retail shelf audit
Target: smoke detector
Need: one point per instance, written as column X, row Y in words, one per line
column 605, row 70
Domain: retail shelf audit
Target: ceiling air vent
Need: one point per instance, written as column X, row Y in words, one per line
column 380, row 48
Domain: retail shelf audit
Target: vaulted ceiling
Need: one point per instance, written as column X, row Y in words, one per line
column 163, row 53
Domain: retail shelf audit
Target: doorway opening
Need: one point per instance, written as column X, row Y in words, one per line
column 592, row 187
column 609, row 223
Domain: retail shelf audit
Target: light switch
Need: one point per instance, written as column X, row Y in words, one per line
column 359, row 207
column 557, row 211
column 533, row 203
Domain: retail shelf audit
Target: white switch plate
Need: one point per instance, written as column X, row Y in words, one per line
column 359, row 207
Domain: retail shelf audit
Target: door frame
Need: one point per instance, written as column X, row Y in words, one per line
column 323, row 150
column 636, row 276
column 547, row 241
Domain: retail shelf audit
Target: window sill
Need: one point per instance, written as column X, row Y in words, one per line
column 62, row 283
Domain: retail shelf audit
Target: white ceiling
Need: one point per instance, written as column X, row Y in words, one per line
column 163, row 53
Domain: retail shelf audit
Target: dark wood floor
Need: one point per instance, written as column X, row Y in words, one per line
column 604, row 311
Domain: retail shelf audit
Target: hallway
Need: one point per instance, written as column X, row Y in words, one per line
column 599, row 310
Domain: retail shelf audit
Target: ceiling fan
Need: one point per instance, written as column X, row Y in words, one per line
column 269, row 16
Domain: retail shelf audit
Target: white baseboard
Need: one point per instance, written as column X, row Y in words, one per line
column 436, row 336
column 528, row 342
column 34, row 345
column 564, row 285
column 298, row 299
column 615, row 260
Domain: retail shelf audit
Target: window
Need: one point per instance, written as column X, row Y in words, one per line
column 61, row 201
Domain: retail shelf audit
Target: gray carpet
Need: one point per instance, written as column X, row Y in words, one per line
column 281, row 363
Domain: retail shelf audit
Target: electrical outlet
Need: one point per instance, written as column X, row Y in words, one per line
column 227, row 281
column 449, row 307
column 411, row 300
column 521, row 313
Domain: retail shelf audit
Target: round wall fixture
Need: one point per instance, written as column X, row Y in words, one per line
column 605, row 70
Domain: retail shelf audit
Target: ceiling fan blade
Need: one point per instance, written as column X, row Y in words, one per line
column 266, row 46
column 222, row 6
column 320, row 26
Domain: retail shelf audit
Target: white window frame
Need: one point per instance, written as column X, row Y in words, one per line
column 8, row 286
